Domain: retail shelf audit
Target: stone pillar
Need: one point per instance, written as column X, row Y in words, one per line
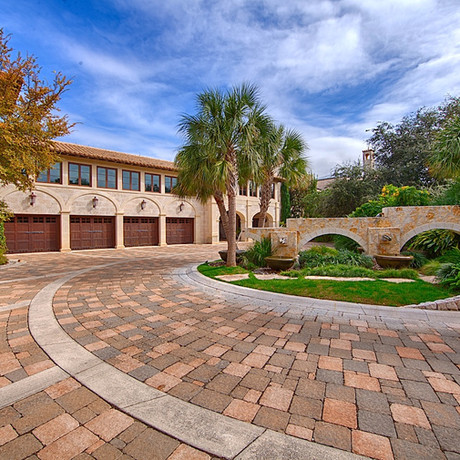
column 119, row 231
column 214, row 222
column 284, row 243
column 65, row 172
column 162, row 230
column 65, row 231
column 384, row 241
column 198, row 230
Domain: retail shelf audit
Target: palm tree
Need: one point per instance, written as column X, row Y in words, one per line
column 445, row 159
column 282, row 155
column 219, row 146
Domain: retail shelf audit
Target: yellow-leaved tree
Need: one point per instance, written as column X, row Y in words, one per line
column 29, row 121
column 29, row 117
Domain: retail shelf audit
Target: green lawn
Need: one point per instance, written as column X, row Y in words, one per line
column 368, row 292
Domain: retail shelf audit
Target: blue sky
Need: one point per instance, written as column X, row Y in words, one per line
column 329, row 68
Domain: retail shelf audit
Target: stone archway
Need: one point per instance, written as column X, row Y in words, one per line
column 222, row 236
column 256, row 220
column 377, row 235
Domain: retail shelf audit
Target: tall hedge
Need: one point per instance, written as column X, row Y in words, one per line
column 285, row 204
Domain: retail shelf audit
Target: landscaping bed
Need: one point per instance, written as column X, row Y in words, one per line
column 311, row 278
column 375, row 292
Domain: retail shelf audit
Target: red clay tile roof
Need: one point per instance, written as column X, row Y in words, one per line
column 83, row 151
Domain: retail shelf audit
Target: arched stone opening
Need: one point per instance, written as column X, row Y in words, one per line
column 406, row 238
column 307, row 239
column 222, row 236
column 256, row 222
column 432, row 242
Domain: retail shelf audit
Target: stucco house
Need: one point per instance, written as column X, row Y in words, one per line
column 96, row 198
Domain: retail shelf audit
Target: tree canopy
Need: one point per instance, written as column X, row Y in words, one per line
column 282, row 153
column 219, row 150
column 444, row 160
column 29, row 118
column 353, row 186
column 402, row 151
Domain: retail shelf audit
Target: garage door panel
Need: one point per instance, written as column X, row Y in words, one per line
column 91, row 232
column 33, row 233
column 179, row 230
column 140, row 231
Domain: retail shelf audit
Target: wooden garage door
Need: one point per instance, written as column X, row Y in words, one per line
column 140, row 231
column 89, row 232
column 33, row 233
column 179, row 231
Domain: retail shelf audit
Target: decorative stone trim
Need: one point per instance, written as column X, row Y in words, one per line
column 451, row 304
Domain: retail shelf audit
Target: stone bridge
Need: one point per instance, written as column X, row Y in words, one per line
column 386, row 234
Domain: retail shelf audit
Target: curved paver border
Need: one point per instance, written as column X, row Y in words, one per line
column 201, row 428
column 285, row 302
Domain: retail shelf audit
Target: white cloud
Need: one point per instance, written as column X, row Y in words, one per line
column 329, row 68
column 328, row 151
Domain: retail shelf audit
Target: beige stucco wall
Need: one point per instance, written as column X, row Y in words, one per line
column 69, row 200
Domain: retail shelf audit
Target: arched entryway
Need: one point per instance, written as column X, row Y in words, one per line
column 256, row 222
column 222, row 236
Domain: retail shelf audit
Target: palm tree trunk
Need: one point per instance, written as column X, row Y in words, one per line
column 232, row 190
column 264, row 202
column 222, row 211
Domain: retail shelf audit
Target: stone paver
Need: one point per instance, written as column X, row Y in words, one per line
column 363, row 382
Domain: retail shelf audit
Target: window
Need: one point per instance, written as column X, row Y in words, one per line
column 152, row 182
column 131, row 180
column 52, row 175
column 273, row 191
column 244, row 190
column 170, row 183
column 79, row 174
column 252, row 189
column 106, row 177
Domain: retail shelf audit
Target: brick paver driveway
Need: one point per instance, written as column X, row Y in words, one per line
column 381, row 387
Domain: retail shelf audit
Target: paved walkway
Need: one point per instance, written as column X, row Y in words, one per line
column 132, row 354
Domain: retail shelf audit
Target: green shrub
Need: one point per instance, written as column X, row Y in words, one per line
column 430, row 268
column 347, row 257
column 5, row 214
column 369, row 209
column 338, row 270
column 393, row 196
column 343, row 242
column 317, row 255
column 3, row 259
column 255, row 255
column 435, row 242
column 349, row 271
column 419, row 258
column 450, row 256
column 449, row 275
column 322, row 255
column 323, row 239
